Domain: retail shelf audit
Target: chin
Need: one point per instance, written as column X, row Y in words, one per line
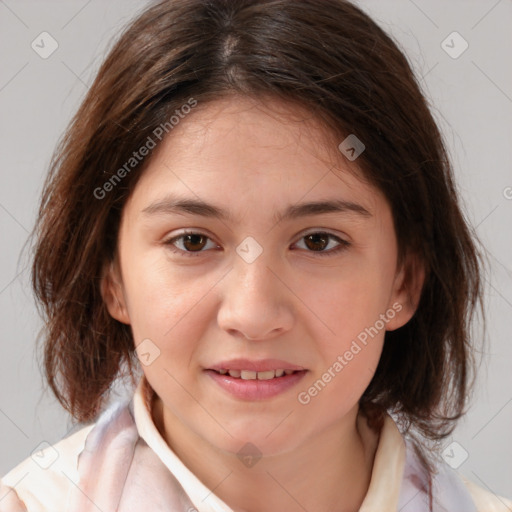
column 261, row 439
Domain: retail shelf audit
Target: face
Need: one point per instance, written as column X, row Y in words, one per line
column 222, row 267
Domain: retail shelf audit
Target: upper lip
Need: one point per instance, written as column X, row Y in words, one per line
column 261, row 365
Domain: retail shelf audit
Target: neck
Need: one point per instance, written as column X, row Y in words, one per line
column 329, row 473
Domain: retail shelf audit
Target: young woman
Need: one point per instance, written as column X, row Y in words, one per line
column 254, row 202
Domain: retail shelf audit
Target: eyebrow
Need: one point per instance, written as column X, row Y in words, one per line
column 175, row 205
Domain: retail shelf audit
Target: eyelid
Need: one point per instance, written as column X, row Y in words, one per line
column 327, row 231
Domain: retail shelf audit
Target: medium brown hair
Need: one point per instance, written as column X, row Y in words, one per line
column 327, row 56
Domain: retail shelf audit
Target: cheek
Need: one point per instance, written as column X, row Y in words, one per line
column 159, row 299
column 349, row 359
column 338, row 388
column 350, row 309
column 350, row 304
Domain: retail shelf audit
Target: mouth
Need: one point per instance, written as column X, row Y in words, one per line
column 256, row 380
column 254, row 375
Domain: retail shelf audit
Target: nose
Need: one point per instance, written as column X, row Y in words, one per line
column 256, row 301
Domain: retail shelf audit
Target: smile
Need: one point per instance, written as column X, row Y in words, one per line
column 253, row 375
column 252, row 385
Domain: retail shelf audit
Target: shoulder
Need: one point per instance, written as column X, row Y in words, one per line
column 42, row 482
column 443, row 485
column 486, row 501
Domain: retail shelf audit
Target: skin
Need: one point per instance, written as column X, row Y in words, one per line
column 291, row 303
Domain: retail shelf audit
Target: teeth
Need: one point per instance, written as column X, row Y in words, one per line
column 252, row 375
column 266, row 375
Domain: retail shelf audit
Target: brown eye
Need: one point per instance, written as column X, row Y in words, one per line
column 194, row 242
column 189, row 244
column 317, row 241
column 322, row 243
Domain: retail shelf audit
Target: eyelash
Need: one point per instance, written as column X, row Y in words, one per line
column 343, row 244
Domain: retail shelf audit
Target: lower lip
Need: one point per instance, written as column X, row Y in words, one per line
column 256, row 389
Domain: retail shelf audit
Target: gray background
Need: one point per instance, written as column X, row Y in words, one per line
column 471, row 98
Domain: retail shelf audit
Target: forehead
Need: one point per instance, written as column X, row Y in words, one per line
column 252, row 131
column 240, row 152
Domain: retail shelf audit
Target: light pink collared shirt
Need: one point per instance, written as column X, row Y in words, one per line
column 116, row 463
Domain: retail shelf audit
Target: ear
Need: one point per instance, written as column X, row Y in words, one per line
column 112, row 292
column 407, row 288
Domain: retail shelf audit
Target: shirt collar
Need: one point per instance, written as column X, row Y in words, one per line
column 385, row 482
